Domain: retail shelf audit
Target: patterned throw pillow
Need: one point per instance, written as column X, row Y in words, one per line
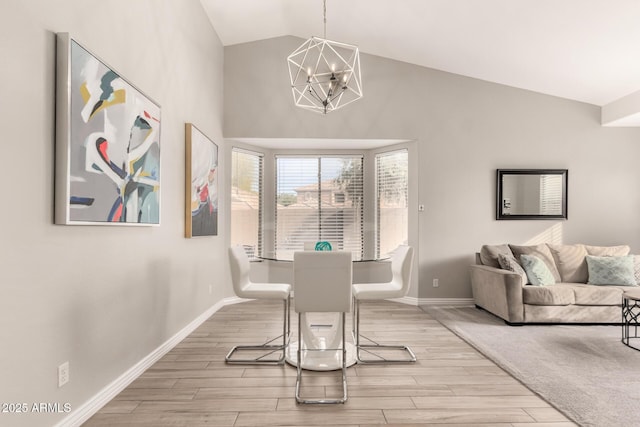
column 537, row 271
column 611, row 270
column 509, row 262
column 539, row 251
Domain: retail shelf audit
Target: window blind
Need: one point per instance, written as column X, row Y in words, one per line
column 319, row 198
column 246, row 200
column 551, row 194
column 392, row 192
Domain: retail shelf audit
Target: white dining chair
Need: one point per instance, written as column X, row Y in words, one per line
column 322, row 283
column 245, row 288
column 401, row 264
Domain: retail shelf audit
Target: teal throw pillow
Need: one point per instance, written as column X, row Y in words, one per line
column 537, row 271
column 611, row 270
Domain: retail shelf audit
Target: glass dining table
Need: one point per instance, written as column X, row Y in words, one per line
column 321, row 331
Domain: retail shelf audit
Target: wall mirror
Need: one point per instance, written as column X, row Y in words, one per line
column 531, row 194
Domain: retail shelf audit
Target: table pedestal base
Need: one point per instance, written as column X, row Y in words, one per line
column 321, row 340
column 329, row 360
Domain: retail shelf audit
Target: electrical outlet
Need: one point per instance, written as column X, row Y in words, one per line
column 63, row 374
column 436, row 283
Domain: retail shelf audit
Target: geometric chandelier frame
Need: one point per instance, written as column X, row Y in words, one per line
column 325, row 74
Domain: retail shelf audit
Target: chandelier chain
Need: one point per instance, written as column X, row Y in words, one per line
column 324, row 11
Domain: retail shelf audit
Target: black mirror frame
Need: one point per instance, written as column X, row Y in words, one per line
column 501, row 172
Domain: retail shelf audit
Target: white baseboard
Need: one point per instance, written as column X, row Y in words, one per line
column 93, row 405
column 233, row 300
column 406, row 300
column 104, row 396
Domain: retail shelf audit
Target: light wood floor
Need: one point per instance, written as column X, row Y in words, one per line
column 450, row 385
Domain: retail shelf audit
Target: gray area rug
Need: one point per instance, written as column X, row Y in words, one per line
column 584, row 371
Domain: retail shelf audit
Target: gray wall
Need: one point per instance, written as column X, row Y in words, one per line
column 465, row 130
column 101, row 298
column 104, row 298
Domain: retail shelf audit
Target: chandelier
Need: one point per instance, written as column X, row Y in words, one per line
column 325, row 75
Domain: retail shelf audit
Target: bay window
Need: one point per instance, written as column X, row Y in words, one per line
column 246, row 200
column 392, row 200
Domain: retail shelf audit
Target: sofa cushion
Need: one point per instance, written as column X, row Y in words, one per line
column 570, row 261
column 537, row 271
column 489, row 254
column 541, row 251
column 597, row 295
column 621, row 250
column 573, row 293
column 611, row 270
column 548, row 295
column 509, row 262
column 571, row 314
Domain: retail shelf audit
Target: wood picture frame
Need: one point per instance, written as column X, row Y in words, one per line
column 201, row 184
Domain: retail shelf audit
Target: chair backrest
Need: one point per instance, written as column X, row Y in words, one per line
column 322, row 281
column 239, row 262
column 401, row 264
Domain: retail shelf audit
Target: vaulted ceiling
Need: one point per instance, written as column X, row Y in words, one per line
column 584, row 50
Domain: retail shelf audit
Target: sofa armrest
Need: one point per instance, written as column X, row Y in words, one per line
column 498, row 291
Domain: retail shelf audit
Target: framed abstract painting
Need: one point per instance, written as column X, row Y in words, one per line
column 107, row 144
column 201, row 184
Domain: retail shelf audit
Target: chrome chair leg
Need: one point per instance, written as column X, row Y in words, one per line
column 267, row 347
column 374, row 346
column 343, row 399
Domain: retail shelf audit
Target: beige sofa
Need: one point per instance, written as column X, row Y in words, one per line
column 570, row 300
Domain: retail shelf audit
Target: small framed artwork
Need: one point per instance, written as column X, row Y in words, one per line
column 107, row 144
column 201, row 184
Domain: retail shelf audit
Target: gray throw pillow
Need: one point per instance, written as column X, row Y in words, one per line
column 489, row 254
column 509, row 262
